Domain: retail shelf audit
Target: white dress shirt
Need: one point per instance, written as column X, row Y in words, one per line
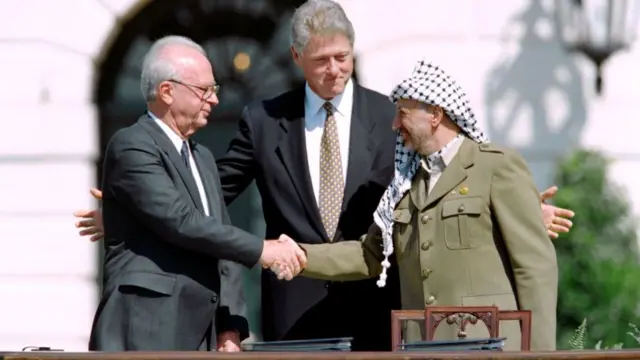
column 177, row 142
column 314, row 118
column 441, row 161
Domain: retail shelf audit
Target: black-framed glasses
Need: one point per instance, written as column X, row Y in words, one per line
column 206, row 91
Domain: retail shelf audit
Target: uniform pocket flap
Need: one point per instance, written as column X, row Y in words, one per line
column 462, row 206
column 160, row 283
column 402, row 216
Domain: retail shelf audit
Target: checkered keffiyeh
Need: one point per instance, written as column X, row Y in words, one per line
column 428, row 84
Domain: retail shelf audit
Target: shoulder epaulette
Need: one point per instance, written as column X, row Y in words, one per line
column 489, row 147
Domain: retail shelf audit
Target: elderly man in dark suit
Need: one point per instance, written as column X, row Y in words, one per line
column 166, row 226
column 322, row 156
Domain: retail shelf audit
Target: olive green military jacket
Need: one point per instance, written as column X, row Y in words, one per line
column 477, row 238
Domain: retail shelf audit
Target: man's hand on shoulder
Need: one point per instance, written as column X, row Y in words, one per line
column 555, row 219
column 90, row 221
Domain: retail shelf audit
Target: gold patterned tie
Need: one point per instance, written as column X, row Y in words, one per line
column 331, row 179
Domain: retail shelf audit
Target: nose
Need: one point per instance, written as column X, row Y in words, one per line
column 395, row 125
column 332, row 68
column 213, row 100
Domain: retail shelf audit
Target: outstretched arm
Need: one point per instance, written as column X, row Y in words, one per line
column 89, row 222
column 345, row 260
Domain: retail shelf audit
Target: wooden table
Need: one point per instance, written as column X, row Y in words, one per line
column 557, row 355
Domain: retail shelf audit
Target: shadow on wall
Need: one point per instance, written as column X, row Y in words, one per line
column 534, row 96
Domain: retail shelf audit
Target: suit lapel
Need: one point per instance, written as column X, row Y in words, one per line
column 454, row 173
column 360, row 144
column 208, row 181
column 292, row 152
column 166, row 145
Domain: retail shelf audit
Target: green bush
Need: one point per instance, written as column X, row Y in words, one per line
column 598, row 259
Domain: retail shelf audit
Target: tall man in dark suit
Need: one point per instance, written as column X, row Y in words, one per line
column 322, row 156
column 166, row 227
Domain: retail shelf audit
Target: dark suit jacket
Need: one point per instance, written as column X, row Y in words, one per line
column 270, row 148
column 166, row 283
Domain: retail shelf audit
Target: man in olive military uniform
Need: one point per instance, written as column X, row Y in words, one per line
column 462, row 216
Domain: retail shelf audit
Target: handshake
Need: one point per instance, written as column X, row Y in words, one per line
column 284, row 257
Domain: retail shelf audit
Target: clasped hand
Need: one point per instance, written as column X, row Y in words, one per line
column 284, row 257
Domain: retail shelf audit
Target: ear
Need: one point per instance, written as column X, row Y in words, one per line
column 438, row 116
column 296, row 56
column 165, row 92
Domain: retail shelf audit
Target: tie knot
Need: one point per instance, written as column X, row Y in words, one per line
column 433, row 162
column 329, row 108
column 185, row 147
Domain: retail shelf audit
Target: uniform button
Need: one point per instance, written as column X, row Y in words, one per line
column 426, row 245
column 326, row 285
column 430, row 300
column 214, row 298
column 224, row 271
column 424, row 219
column 461, row 208
column 426, row 273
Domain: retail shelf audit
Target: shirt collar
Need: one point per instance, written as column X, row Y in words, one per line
column 439, row 160
column 313, row 103
column 176, row 140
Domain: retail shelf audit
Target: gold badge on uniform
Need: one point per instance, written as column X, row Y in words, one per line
column 464, row 190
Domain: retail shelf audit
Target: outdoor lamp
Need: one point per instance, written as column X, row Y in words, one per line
column 597, row 28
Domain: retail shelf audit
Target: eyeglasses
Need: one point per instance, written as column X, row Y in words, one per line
column 207, row 92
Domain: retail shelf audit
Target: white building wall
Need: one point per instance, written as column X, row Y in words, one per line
column 48, row 145
column 526, row 91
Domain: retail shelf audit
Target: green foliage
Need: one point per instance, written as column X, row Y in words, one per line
column 580, row 337
column 598, row 259
column 634, row 333
column 616, row 346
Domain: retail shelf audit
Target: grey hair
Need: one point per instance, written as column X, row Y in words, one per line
column 319, row 17
column 157, row 67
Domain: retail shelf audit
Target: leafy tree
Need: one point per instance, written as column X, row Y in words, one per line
column 598, row 259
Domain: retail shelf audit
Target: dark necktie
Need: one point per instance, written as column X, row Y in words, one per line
column 185, row 154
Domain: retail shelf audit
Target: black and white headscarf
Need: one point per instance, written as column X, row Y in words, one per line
column 428, row 84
